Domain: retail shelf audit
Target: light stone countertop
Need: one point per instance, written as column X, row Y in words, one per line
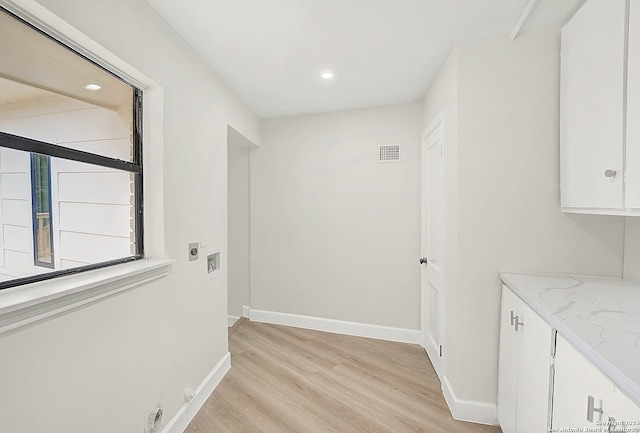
column 599, row 316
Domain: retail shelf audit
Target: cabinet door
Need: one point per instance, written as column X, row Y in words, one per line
column 632, row 191
column 580, row 390
column 591, row 106
column 534, row 376
column 508, row 361
column 524, row 367
column 623, row 415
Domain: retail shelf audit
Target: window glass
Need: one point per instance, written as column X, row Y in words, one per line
column 39, row 76
column 95, row 213
column 38, row 114
column 41, row 208
column 70, row 160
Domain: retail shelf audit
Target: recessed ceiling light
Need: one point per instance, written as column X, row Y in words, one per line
column 92, row 87
column 327, row 75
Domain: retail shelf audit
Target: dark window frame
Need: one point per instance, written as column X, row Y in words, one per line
column 135, row 166
column 16, row 142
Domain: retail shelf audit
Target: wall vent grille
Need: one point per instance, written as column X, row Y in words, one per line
column 389, row 153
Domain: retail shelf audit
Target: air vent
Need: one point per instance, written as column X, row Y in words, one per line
column 389, row 153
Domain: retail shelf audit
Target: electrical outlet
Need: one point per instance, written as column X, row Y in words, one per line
column 153, row 419
column 193, row 251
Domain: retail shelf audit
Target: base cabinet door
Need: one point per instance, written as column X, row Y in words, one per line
column 584, row 399
column 508, row 362
column 624, row 415
column 579, row 391
column 534, row 389
column 524, row 367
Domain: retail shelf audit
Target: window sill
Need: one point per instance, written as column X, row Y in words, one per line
column 23, row 305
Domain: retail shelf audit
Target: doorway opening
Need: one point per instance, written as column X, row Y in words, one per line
column 238, row 226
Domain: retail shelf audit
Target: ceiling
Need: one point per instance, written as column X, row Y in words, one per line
column 35, row 66
column 12, row 92
column 382, row 52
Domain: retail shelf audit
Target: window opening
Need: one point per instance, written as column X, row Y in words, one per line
column 41, row 207
column 71, row 195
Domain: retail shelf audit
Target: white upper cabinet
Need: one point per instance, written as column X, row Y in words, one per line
column 597, row 94
column 633, row 110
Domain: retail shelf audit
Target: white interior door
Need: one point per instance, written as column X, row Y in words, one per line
column 432, row 248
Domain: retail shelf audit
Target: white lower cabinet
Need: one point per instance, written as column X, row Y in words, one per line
column 579, row 390
column 545, row 384
column 524, row 367
column 584, row 399
column 624, row 415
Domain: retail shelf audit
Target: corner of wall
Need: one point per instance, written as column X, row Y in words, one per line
column 469, row 410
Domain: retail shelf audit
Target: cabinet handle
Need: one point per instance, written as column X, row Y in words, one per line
column 518, row 323
column 610, row 173
column 515, row 320
column 591, row 408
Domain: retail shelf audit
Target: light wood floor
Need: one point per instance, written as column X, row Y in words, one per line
column 294, row 380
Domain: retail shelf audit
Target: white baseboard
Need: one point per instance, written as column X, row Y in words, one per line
column 246, row 312
column 188, row 411
column 469, row 410
column 231, row 320
column 337, row 326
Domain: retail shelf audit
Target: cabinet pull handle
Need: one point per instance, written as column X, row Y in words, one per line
column 515, row 320
column 518, row 323
column 610, row 173
column 591, row 408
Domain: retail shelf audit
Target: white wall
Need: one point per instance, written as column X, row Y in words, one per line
column 335, row 234
column 101, row 367
column 506, row 196
column 632, row 249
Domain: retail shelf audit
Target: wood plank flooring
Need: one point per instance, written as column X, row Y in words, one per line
column 286, row 379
